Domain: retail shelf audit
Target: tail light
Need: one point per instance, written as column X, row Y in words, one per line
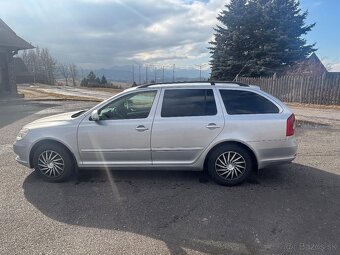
column 290, row 125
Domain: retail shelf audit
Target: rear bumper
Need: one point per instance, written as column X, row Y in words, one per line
column 21, row 150
column 275, row 152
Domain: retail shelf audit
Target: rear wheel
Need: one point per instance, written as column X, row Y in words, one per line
column 230, row 165
column 53, row 163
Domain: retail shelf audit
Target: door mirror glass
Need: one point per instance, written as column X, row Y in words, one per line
column 95, row 115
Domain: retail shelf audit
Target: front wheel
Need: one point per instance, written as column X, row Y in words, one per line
column 53, row 163
column 230, row 165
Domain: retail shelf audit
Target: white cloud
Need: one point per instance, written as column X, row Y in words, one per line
column 102, row 33
column 330, row 65
column 334, row 67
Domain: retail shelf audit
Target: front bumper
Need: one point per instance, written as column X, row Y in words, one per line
column 21, row 149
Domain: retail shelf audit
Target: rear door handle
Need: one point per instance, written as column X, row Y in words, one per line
column 141, row 128
column 212, row 126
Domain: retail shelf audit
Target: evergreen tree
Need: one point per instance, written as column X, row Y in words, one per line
column 84, row 82
column 103, row 80
column 258, row 38
column 97, row 80
column 91, row 77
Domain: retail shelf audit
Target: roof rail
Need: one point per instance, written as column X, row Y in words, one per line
column 181, row 82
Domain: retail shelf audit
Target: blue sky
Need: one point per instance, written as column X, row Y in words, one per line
column 104, row 33
column 326, row 33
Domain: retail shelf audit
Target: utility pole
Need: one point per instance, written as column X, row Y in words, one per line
column 155, row 75
column 200, row 72
column 139, row 75
column 163, row 75
column 133, row 74
column 173, row 73
column 200, row 66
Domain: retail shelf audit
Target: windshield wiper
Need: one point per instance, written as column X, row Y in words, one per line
column 78, row 114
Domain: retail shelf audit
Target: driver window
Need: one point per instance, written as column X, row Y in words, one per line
column 132, row 106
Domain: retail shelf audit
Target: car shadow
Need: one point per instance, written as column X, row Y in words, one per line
column 281, row 205
column 13, row 111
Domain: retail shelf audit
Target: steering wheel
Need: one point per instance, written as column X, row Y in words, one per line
column 117, row 112
column 106, row 115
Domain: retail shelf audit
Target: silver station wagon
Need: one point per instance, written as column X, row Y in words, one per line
column 228, row 129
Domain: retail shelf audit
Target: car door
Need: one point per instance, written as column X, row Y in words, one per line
column 121, row 136
column 186, row 122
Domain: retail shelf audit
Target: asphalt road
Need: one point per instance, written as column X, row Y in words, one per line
column 290, row 209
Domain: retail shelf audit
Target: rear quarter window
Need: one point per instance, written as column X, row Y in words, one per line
column 246, row 102
column 188, row 103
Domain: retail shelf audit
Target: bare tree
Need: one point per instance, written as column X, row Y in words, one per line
column 73, row 73
column 41, row 64
column 65, row 72
column 49, row 66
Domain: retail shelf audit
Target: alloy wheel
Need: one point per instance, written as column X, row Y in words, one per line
column 230, row 165
column 51, row 164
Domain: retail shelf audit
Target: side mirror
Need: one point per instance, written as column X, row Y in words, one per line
column 95, row 115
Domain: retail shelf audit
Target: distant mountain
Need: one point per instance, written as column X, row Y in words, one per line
column 124, row 74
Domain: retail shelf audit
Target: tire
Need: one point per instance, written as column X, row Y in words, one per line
column 232, row 171
column 53, row 163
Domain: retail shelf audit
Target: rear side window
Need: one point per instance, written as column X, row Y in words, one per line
column 188, row 102
column 246, row 102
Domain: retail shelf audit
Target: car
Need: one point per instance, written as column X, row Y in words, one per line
column 226, row 128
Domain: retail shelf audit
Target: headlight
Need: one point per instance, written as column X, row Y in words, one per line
column 22, row 133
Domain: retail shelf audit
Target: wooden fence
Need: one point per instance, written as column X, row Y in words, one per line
column 323, row 89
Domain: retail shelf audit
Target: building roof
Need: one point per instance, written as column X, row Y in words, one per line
column 310, row 66
column 9, row 39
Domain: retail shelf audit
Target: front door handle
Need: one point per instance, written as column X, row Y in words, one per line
column 212, row 126
column 141, row 128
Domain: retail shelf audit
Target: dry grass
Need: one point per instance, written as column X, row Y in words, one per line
column 33, row 94
column 111, row 90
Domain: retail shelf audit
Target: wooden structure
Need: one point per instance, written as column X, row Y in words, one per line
column 308, row 89
column 310, row 66
column 10, row 44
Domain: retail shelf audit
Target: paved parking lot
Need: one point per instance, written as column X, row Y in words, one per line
column 290, row 209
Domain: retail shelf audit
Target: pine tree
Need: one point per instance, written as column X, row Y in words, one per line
column 103, row 80
column 91, row 77
column 84, row 82
column 258, row 38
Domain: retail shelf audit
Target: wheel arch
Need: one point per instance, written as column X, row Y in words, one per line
column 232, row 142
column 49, row 141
